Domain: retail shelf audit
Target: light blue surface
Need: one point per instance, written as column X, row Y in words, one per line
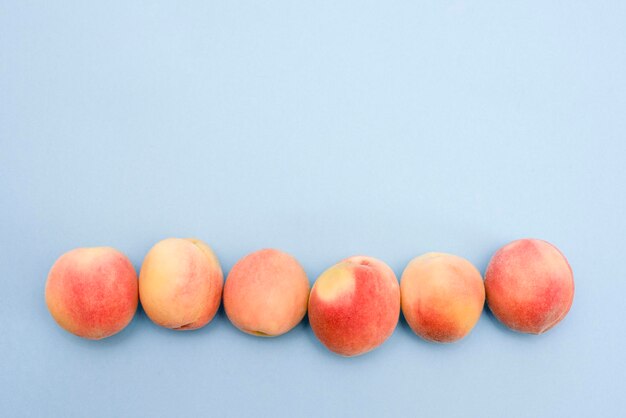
column 386, row 128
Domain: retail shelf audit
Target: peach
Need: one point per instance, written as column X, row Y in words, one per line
column 530, row 285
column 92, row 292
column 442, row 296
column 266, row 293
column 180, row 284
column 354, row 306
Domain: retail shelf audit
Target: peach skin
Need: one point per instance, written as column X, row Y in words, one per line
column 354, row 306
column 92, row 292
column 180, row 284
column 442, row 296
column 530, row 286
column 266, row 293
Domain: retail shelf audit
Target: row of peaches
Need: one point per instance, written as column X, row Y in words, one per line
column 353, row 307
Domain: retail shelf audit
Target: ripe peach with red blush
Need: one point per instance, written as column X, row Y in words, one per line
column 180, row 284
column 442, row 296
column 266, row 293
column 354, row 306
column 530, row 286
column 92, row 292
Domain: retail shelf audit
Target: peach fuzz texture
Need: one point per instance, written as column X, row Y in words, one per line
column 529, row 285
column 180, row 284
column 354, row 306
column 92, row 292
column 442, row 296
column 266, row 293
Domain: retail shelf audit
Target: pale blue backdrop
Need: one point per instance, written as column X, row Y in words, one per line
column 326, row 129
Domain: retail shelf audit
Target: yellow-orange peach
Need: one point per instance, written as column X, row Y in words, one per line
column 180, row 284
column 92, row 292
column 354, row 306
column 530, row 285
column 266, row 293
column 442, row 296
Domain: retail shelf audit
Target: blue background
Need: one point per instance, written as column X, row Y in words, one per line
column 387, row 128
